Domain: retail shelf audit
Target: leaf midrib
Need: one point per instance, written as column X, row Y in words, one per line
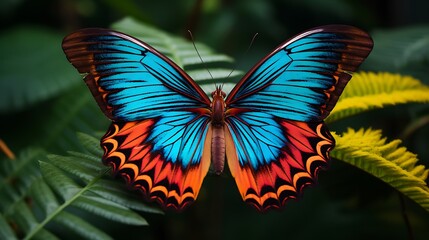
column 67, row 203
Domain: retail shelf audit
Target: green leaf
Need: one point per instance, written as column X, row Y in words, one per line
column 75, row 111
column 368, row 91
column 116, row 192
column 80, row 226
column 403, row 50
column 45, row 235
column 5, row 231
column 221, row 75
column 23, row 217
column 91, row 144
column 109, row 210
column 35, row 68
column 388, row 161
column 17, row 176
column 61, row 183
column 10, row 170
column 74, row 166
column 78, row 182
column 44, row 197
column 208, row 59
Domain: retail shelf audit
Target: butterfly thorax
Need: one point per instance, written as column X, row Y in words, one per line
column 218, row 133
column 218, row 107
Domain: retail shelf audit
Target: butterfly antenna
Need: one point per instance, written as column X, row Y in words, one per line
column 247, row 50
column 195, row 47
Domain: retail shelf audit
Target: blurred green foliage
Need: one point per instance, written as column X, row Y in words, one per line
column 43, row 103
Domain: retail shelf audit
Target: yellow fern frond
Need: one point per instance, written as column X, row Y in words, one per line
column 388, row 161
column 368, row 90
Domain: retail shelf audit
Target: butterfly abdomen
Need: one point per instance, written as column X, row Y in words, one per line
column 218, row 133
column 218, row 149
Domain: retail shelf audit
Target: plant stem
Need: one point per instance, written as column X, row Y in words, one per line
column 67, row 203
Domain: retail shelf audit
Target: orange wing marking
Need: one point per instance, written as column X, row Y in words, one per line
column 131, row 156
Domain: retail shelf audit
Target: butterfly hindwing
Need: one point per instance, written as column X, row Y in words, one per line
column 132, row 155
column 277, row 140
column 161, row 117
column 304, row 152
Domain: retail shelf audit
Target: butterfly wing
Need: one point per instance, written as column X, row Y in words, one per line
column 156, row 141
column 276, row 138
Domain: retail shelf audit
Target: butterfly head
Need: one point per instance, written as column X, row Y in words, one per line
column 218, row 93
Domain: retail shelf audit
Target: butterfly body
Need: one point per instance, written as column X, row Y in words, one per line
column 165, row 130
column 218, row 133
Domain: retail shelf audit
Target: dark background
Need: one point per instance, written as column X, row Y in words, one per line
column 347, row 203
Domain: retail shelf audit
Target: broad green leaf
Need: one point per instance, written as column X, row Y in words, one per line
column 34, row 68
column 221, row 75
column 208, row 58
column 403, row 50
column 388, row 161
column 368, row 91
column 54, row 124
column 227, row 87
column 75, row 111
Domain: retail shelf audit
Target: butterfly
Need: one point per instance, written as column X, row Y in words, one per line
column 166, row 132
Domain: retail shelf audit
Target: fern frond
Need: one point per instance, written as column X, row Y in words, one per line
column 388, row 161
column 17, row 177
column 368, row 90
column 59, row 130
column 6, row 231
column 76, row 181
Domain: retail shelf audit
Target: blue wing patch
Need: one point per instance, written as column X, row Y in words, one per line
column 129, row 79
column 180, row 136
column 258, row 138
column 303, row 78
